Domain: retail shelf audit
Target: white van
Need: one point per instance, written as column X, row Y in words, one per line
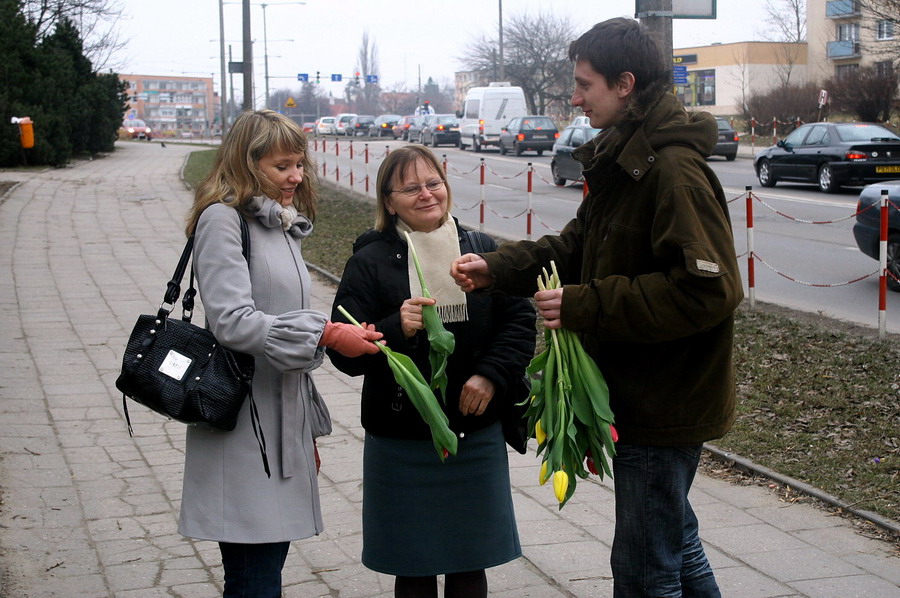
column 486, row 111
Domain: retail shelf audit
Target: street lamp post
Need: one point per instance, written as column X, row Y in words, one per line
column 246, row 4
column 222, row 95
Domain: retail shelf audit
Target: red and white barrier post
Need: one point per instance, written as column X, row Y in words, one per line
column 481, row 204
column 351, row 149
column 751, row 274
column 366, row 156
column 882, row 261
column 528, row 217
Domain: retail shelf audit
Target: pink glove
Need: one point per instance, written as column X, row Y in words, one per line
column 350, row 340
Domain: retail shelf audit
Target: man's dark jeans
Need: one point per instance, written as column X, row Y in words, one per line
column 656, row 551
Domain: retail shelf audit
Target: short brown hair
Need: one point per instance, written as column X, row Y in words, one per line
column 397, row 163
column 621, row 45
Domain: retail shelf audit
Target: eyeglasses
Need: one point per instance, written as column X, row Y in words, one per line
column 413, row 190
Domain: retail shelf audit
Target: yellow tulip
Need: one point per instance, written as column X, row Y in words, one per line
column 560, row 485
column 539, row 432
column 542, row 478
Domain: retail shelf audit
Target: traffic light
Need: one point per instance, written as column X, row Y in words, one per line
column 317, row 77
column 356, row 78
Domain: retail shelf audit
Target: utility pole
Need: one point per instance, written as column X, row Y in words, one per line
column 230, row 81
column 266, row 53
column 223, row 96
column 657, row 16
column 501, row 76
column 248, row 58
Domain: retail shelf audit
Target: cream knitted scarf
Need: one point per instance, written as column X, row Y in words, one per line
column 436, row 251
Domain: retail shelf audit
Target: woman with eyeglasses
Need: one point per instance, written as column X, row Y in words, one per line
column 423, row 517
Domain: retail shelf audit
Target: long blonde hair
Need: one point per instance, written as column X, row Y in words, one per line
column 235, row 177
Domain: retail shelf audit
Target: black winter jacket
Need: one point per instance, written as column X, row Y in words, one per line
column 497, row 342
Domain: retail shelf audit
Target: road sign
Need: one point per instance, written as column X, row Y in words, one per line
column 371, row 78
column 679, row 69
column 336, row 77
column 290, row 103
column 304, row 77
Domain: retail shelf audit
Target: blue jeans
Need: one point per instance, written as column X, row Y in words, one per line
column 253, row 570
column 656, row 550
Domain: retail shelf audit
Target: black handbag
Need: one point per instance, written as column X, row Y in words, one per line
column 179, row 370
column 512, row 415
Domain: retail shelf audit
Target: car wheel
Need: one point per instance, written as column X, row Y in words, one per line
column 476, row 144
column 827, row 183
column 540, row 152
column 554, row 172
column 460, row 145
column 434, row 142
column 502, row 149
column 764, row 174
column 893, row 263
column 731, row 157
column 517, row 149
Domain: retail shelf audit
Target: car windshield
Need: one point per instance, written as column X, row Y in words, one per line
column 531, row 124
column 135, row 123
column 446, row 120
column 723, row 124
column 864, row 132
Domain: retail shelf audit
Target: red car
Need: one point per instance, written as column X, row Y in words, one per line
column 136, row 129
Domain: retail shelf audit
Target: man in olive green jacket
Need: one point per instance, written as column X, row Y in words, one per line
column 650, row 283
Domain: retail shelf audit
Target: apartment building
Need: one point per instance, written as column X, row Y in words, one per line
column 174, row 106
column 843, row 37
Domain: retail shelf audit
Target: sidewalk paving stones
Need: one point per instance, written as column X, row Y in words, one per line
column 89, row 511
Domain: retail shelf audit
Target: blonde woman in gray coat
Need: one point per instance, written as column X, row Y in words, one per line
column 262, row 173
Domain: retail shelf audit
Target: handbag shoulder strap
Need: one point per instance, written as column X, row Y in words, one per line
column 187, row 304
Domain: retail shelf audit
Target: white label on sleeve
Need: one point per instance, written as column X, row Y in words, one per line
column 705, row 266
column 175, row 365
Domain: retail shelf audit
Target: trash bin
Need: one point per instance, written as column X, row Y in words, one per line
column 26, row 132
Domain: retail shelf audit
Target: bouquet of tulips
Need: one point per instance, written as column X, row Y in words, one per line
column 569, row 414
column 407, row 374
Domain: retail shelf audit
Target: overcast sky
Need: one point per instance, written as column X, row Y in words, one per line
column 181, row 37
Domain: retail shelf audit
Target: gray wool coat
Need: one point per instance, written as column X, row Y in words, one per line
column 264, row 312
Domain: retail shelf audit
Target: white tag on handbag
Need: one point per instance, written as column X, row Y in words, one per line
column 175, row 365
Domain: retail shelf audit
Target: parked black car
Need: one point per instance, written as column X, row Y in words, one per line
column 831, row 155
column 359, row 125
column 384, row 125
column 528, row 133
column 563, row 166
column 867, row 230
column 440, row 129
column 728, row 140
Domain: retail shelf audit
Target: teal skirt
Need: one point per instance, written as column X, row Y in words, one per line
column 422, row 517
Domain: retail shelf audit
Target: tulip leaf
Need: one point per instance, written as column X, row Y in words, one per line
column 441, row 341
column 407, row 375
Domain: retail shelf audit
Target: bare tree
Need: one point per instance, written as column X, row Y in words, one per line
column 95, row 20
column 360, row 92
column 535, row 58
column 786, row 20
